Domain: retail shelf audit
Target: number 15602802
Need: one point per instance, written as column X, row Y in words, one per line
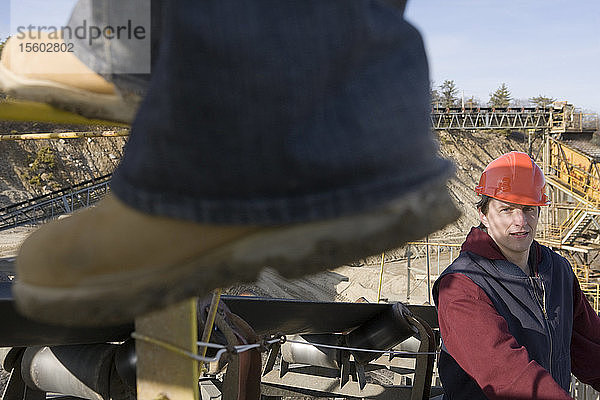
column 46, row 47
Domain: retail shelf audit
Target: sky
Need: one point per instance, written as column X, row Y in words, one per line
column 36, row 12
column 535, row 47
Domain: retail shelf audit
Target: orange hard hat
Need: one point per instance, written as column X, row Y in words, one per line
column 514, row 178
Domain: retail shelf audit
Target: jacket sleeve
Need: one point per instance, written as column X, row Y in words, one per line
column 585, row 342
column 478, row 339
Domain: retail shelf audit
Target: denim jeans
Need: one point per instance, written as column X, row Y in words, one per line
column 273, row 112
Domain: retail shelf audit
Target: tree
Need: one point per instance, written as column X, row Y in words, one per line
column 2, row 42
column 501, row 97
column 435, row 95
column 448, row 91
column 542, row 101
column 472, row 102
column 521, row 103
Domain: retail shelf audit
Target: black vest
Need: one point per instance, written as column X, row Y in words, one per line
column 546, row 334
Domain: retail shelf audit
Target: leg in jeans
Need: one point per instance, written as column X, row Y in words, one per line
column 293, row 135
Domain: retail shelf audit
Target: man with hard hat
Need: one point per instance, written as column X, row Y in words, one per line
column 513, row 319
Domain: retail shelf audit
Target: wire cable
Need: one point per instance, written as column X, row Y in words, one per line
column 263, row 344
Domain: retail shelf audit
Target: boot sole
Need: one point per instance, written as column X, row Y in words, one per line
column 110, row 107
column 294, row 251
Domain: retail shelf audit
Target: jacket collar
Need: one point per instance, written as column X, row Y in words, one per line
column 479, row 242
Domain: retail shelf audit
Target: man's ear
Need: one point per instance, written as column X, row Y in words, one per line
column 483, row 219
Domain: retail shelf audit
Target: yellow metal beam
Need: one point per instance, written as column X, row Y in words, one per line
column 64, row 135
column 210, row 320
column 163, row 372
column 380, row 277
column 13, row 110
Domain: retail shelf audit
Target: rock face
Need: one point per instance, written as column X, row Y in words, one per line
column 31, row 168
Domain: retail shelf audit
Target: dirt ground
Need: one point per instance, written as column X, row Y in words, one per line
column 11, row 239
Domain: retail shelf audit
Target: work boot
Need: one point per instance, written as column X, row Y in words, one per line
column 60, row 79
column 111, row 263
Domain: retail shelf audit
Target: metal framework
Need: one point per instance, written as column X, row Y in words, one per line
column 390, row 339
column 573, row 174
column 558, row 118
column 489, row 118
column 346, row 377
column 47, row 207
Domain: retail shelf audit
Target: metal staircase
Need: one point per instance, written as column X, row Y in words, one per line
column 582, row 221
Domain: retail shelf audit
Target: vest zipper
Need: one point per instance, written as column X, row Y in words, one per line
column 542, row 305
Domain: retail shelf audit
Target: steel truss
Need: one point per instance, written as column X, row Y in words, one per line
column 490, row 118
column 44, row 208
column 558, row 118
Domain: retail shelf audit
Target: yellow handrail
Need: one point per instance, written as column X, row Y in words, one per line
column 592, row 291
column 65, row 135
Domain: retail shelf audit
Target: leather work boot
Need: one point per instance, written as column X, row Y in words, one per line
column 110, row 263
column 60, row 79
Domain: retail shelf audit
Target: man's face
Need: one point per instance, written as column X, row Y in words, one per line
column 512, row 226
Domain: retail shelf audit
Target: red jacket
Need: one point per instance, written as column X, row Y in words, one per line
column 500, row 365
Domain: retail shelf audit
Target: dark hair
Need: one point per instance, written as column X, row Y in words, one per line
column 483, row 203
column 483, row 206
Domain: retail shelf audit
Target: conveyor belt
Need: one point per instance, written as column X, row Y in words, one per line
column 265, row 315
column 43, row 208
